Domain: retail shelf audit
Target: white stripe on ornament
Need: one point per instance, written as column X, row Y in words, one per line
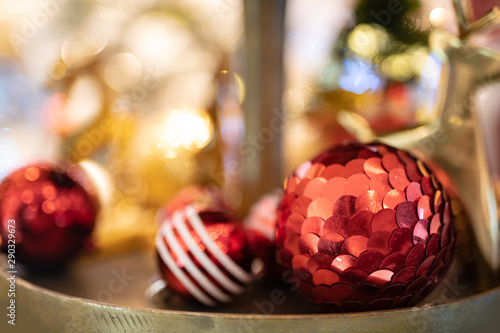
column 190, row 266
column 223, row 258
column 179, row 274
column 203, row 259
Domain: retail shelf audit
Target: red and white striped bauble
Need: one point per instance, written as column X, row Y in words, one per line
column 204, row 255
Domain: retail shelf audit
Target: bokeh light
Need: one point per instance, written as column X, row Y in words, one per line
column 58, row 70
column 100, row 179
column 20, row 7
column 77, row 52
column 398, row 67
column 240, row 86
column 54, row 113
column 128, row 89
column 64, row 114
column 182, row 130
column 440, row 18
column 123, row 71
column 192, row 88
column 160, row 41
column 367, row 40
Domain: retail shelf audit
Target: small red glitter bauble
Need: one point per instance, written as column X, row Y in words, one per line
column 262, row 215
column 260, row 225
column 204, row 253
column 364, row 227
column 206, row 199
column 50, row 214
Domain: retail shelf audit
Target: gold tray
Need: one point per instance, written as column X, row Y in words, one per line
column 107, row 294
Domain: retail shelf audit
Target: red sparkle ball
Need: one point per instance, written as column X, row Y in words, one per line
column 364, row 227
column 260, row 225
column 46, row 213
column 208, row 200
column 262, row 215
column 204, row 253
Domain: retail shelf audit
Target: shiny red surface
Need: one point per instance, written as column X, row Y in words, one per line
column 229, row 237
column 208, row 200
column 54, row 215
column 367, row 228
column 242, row 244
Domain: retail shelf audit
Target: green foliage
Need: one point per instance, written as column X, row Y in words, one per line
column 398, row 17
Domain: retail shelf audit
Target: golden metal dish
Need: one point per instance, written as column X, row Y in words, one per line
column 119, row 281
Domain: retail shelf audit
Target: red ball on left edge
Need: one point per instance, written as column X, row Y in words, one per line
column 50, row 214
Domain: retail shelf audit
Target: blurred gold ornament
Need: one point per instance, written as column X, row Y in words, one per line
column 450, row 134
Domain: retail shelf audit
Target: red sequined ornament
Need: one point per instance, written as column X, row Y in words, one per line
column 49, row 213
column 204, row 253
column 364, row 227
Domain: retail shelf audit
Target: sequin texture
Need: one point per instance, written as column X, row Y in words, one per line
column 363, row 230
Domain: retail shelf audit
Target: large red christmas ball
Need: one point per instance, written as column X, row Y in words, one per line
column 364, row 227
column 46, row 215
column 204, row 253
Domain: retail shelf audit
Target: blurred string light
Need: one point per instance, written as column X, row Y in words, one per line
column 182, row 130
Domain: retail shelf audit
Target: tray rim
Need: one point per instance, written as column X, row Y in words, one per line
column 20, row 282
